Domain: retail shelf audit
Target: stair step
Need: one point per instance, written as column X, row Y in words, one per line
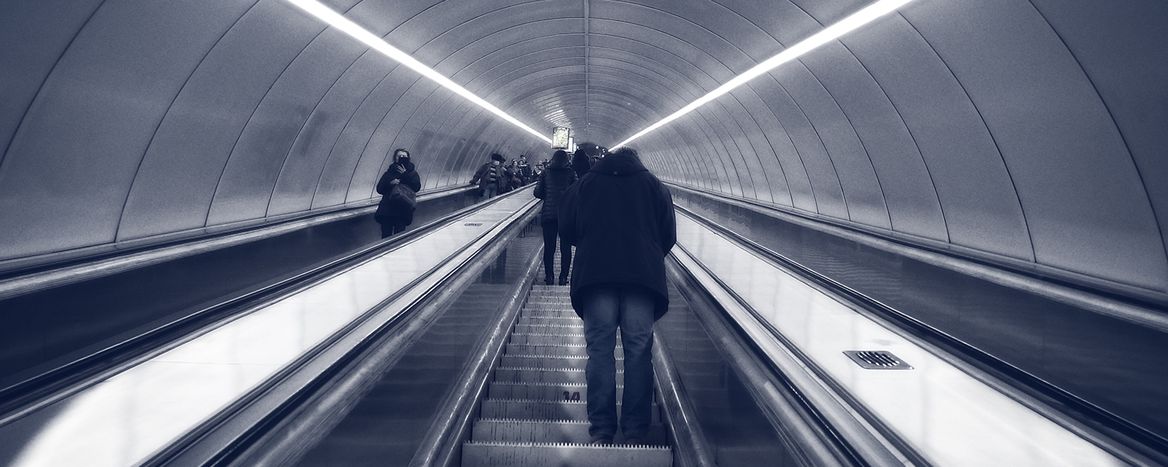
column 543, row 375
column 565, row 329
column 534, row 409
column 546, row 339
column 537, row 349
column 493, row 454
column 549, row 431
column 544, row 391
column 555, row 320
column 550, row 361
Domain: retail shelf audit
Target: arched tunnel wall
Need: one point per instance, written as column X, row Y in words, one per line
column 1026, row 130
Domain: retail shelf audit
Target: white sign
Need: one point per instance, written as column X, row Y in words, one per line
column 560, row 137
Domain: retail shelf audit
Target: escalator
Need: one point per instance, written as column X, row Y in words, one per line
column 535, row 412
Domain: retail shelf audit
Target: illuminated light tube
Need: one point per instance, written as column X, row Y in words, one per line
column 338, row 21
column 828, row 34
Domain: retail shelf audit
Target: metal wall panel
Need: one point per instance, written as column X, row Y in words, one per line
column 1027, row 131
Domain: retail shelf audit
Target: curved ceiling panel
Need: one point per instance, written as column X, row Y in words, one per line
column 1024, row 131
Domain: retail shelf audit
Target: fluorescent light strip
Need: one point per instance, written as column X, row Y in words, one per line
column 336, row 20
column 828, row 34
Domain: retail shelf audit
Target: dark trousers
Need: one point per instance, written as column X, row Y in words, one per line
column 549, row 252
column 390, row 226
column 604, row 310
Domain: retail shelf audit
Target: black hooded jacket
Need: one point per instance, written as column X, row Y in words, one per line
column 552, row 184
column 620, row 218
column 409, row 178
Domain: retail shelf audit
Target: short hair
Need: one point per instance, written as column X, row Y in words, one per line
column 498, row 157
column 623, row 151
column 400, row 150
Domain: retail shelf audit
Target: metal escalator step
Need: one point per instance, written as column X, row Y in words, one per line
column 546, row 339
column 542, row 375
column 550, row 361
column 530, row 431
column 574, row 328
column 492, row 454
column 536, row 349
column 554, row 320
column 532, row 409
column 544, row 391
column 564, row 312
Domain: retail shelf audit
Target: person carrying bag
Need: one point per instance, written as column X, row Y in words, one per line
column 398, row 186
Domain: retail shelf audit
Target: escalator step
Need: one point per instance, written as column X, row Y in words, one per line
column 550, row 361
column 531, row 431
column 484, row 454
column 536, row 349
column 528, row 409
column 546, row 339
column 568, row 329
column 543, row 391
column 542, row 375
column 554, row 320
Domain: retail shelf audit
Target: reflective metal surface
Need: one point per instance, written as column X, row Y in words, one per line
column 924, row 123
column 948, row 416
column 1052, row 340
column 123, row 419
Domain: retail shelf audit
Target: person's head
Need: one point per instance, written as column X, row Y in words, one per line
column 522, row 158
column 625, row 152
column 401, row 155
column 559, row 158
column 497, row 159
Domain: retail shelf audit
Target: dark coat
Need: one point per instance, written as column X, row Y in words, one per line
column 487, row 174
column 581, row 164
column 621, row 220
column 410, row 178
column 552, row 184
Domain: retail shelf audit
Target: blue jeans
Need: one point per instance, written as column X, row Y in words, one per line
column 631, row 309
column 491, row 190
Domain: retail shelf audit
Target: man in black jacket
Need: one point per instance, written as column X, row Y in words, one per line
column 394, row 213
column 620, row 218
column 552, row 184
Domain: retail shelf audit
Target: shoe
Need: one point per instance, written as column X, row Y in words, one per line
column 600, row 440
column 634, row 441
column 563, row 281
column 549, row 280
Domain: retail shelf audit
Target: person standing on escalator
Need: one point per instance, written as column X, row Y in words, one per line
column 398, row 187
column 620, row 218
column 551, row 186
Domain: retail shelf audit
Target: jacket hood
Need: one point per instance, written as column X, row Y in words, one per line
column 619, row 165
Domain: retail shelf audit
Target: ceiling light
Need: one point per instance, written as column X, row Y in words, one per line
column 828, row 34
column 336, row 20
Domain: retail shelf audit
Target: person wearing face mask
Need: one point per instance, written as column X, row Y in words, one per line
column 398, row 186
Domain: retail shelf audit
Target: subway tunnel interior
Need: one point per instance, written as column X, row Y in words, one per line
column 1026, row 135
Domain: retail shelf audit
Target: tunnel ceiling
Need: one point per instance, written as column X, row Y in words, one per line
column 1026, row 132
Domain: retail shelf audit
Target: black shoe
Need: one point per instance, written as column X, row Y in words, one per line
column 635, row 441
column 549, row 280
column 563, row 281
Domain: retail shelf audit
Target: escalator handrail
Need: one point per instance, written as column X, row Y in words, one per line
column 1127, row 303
column 1111, row 432
column 70, row 377
column 58, row 269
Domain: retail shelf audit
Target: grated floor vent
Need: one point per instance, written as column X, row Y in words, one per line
column 877, row 360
